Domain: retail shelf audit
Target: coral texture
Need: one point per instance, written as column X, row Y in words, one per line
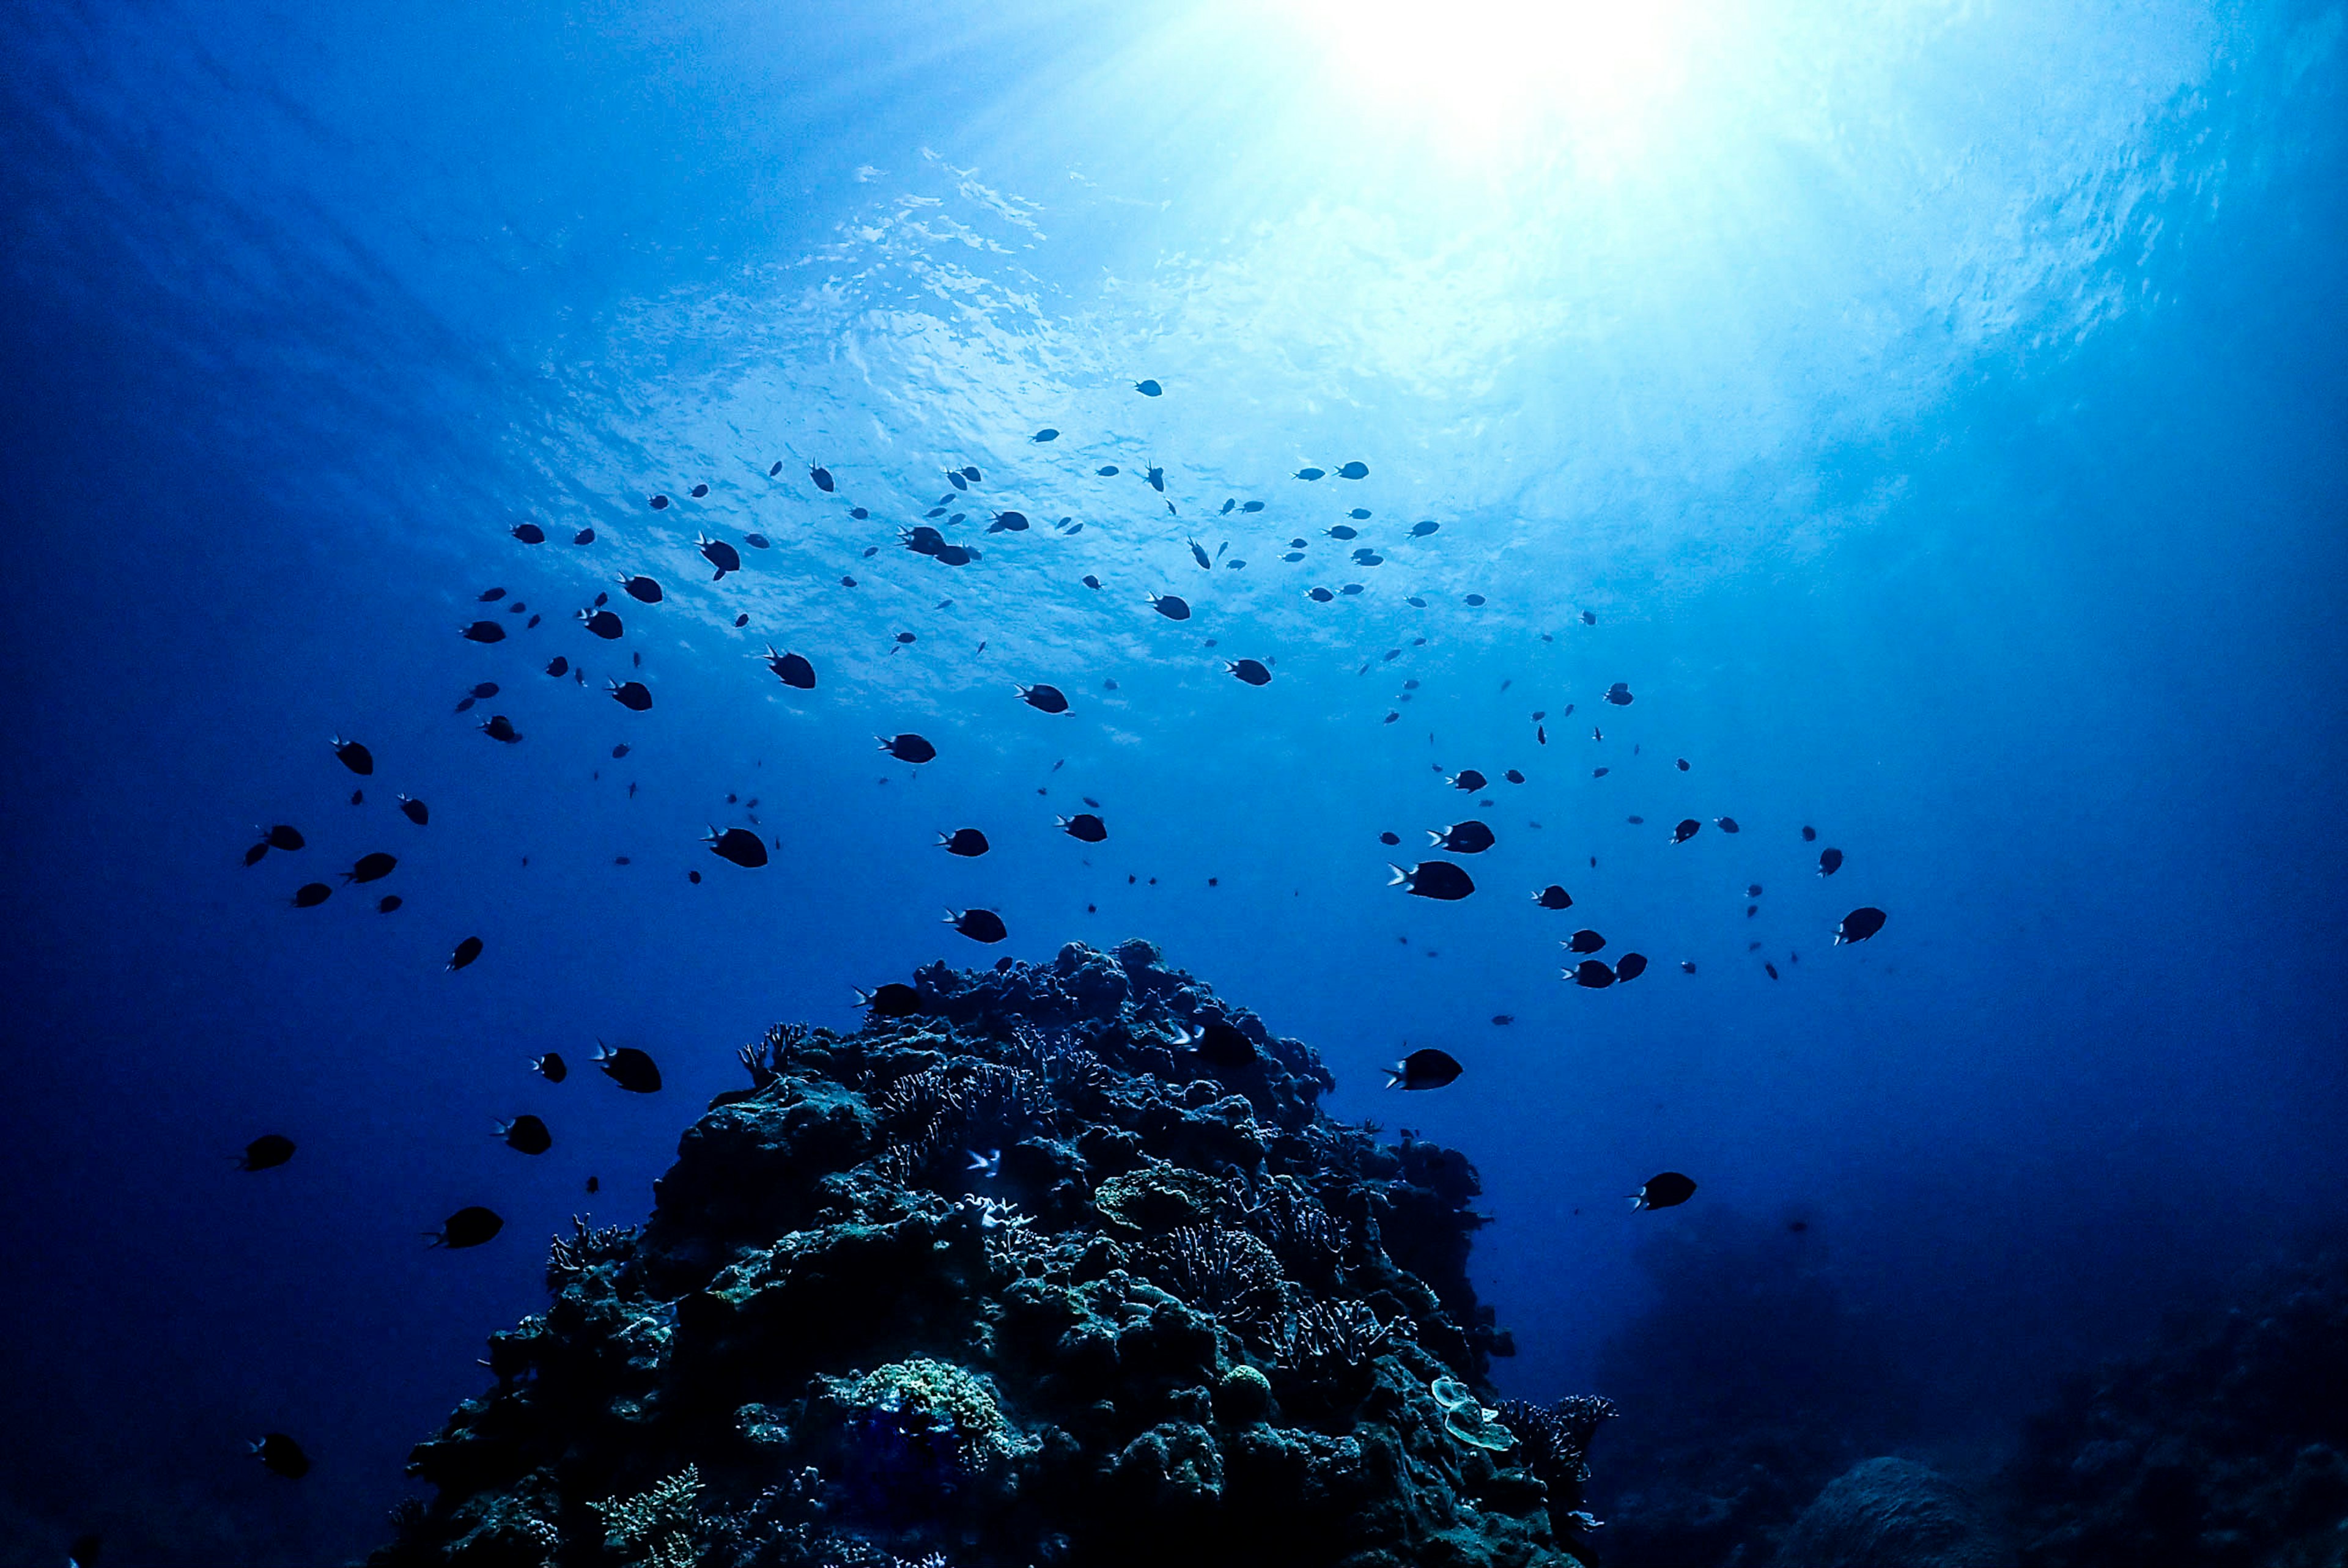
column 1893, row 1513
column 1020, row 1278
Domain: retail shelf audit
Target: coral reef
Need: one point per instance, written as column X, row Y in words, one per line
column 1018, row 1277
column 2225, row 1446
column 1893, row 1513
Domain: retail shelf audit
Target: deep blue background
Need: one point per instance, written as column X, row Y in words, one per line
column 301, row 313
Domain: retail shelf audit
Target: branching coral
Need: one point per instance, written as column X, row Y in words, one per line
column 1317, row 1338
column 654, row 1529
column 568, row 1257
column 1227, row 1274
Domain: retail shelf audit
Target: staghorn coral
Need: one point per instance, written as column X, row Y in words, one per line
column 1181, row 1318
column 654, row 1529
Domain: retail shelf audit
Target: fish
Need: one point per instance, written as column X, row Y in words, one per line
column 893, row 1000
column 1251, row 506
column 757, row 541
column 1593, row 973
column 465, row 953
column 971, row 475
column 978, row 925
column 1554, row 897
column 1681, row 764
column 738, row 845
column 1630, row 966
column 908, row 748
column 720, row 554
column 1108, row 471
column 1859, row 925
column 1156, row 480
column 1424, row 1069
column 1044, row 699
column 603, row 623
column 1829, row 862
column 1503, row 1019
column 643, row 590
column 620, row 751
column 1308, row 474
column 1350, row 588
column 776, row 468
column 1809, row 833
column 310, row 894
column 1008, row 523
column 1687, row 966
column 594, row 1183
column 1198, row 554
column 388, row 903
column 468, row 1226
column 1148, row 388
column 822, row 477
column 266, row 1152
column 1541, row 734
column 1084, row 826
column 628, row 1068
column 372, row 868
column 1513, row 777
column 1437, row 879
column 492, row 595
column 1172, row 606
column 1354, row 471
column 1771, row 969
column 500, row 728
column 954, row 477
column 1419, row 530
column 1360, row 513
column 1389, row 838
column 353, row 756
column 1599, row 772
column 1725, row 824
column 1220, row 1044
column 1619, row 694
column 1468, row 779
column 922, row 540
column 1587, row 619
column 1046, row 434
column 283, row 836
column 1667, row 1190
column 633, row 695
column 528, row 533
column 1341, row 532
column 1293, row 556
column 1468, row 838
column 281, row 1455
column 952, row 555
column 1319, row 595
column 1585, row 941
column 552, row 1066
column 1688, row 828
column 791, row 668
column 698, row 492
column 1250, row 671
column 1474, row 601
column 526, row 1134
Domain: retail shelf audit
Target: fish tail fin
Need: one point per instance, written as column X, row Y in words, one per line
column 1399, row 878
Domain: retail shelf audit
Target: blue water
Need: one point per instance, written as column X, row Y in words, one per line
column 1940, row 413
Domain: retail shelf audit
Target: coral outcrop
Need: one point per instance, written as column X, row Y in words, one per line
column 1050, row 1264
column 1893, row 1513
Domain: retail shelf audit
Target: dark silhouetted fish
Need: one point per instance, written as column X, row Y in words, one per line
column 1433, row 879
column 1319, row 595
column 583, row 536
column 1771, row 969
column 1173, row 606
column 822, row 477
column 1044, row 699
column 791, row 668
column 1008, row 523
column 620, row 751
column 757, row 541
column 1599, row 772
column 1354, row 471
column 1250, row 671
column 698, row 492
column 776, row 468
column 1619, row 694
column 1585, row 941
column 310, row 894
column 628, row 1068
column 465, row 953
column 267, row 1152
column 603, row 623
column 922, row 540
column 1046, row 434
column 1809, row 833
column 1389, row 838
column 1198, row 554
column 967, row 842
column 529, row 533
column 1251, row 506
column 1468, row 779
column 526, row 1134
column 1084, row 825
column 1421, row 530
column 387, row 903
column 1829, row 862
column 415, row 810
column 720, row 554
column 1725, row 824
column 284, row 835
column 353, row 756
column 552, row 1066
column 1148, row 388
column 978, row 925
column 953, row 477
column 643, row 590
column 1220, row 1045
column 1504, row 1019
column 632, row 695
column 1687, row 966
column 894, row 1000
column 1554, row 897
column 1630, row 966
column 1090, row 581
column 468, row 1226
column 1343, row 532
column 1682, row 764
column 1308, row 474
column 370, row 868
column 955, row 554
column 1859, row 925
column 492, row 595
column 1156, row 479
column 500, row 728
column 1666, row 1191
column 657, row 503
column 282, row 1455
column 1428, row 1068
column 1468, row 838
column 738, row 845
column 908, row 748
column 1108, row 471
column 1592, row 973
column 1513, row 777
column 1688, row 828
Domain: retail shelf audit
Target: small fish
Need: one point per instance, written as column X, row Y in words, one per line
column 776, row 469
column 603, row 623
column 971, row 475
column 1630, row 966
column 1687, row 966
column 1599, row 772
column 1148, row 388
column 281, row 1455
column 1251, row 506
column 698, row 492
column 500, row 728
column 1350, row 588
column 552, row 1066
column 557, row 666
column 822, row 477
column 1593, row 973
column 415, row 810
column 1250, row 671
column 791, row 668
column 978, row 925
column 1173, row 606
column 1437, row 879
column 370, row 868
column 1008, row 523
column 657, row 503
column 953, row 477
column 1688, row 828
column 620, row 751
column 720, row 554
column 985, row 1164
column 1468, row 779
column 594, row 1183
column 310, row 894
column 952, row 555
column 1084, row 826
column 1044, row 699
column 1156, row 479
column 1343, row 532
column 1474, row 601
column 1198, row 554
column 1046, row 434
column 1809, row 833
column 1619, row 694
column 1355, row 471
column 1829, row 862
column 1859, row 925
column 1513, row 777
column 1308, row 474
column 1682, row 764
column 468, row 1226
column 1541, row 734
column 1468, row 838
column 1771, row 969
column 1585, row 941
column 526, row 1134
column 633, row 695
column 388, row 903
column 1389, row 838
column 1666, row 1191
column 528, row 533
column 908, row 748
column 266, row 1152
column 1107, row 472
column 628, row 1068
column 1587, row 619
column 738, row 845
column 757, row 541
column 1725, row 824
column 1503, row 1019
column 465, row 953
column 1753, row 890
column 643, row 590
column 894, row 1000
column 967, row 842
column 1319, row 595
column 1419, row 530
column 1426, row 1068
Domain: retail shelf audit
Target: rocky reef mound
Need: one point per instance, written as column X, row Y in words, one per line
column 1893, row 1513
column 1050, row 1264
column 2225, row 1446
